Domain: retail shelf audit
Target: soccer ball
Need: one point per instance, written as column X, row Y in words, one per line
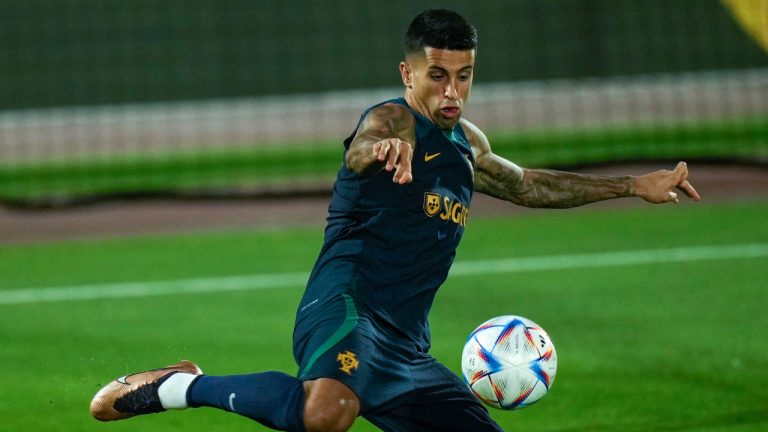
column 509, row 362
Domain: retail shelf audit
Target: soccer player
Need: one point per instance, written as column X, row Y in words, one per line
column 398, row 211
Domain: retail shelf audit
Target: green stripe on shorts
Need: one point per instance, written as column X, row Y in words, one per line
column 349, row 323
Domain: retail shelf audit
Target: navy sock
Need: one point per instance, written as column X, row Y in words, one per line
column 273, row 399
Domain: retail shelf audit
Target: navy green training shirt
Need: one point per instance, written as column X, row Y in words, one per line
column 390, row 246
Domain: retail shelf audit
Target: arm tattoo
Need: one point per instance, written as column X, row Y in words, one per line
column 386, row 121
column 499, row 182
column 552, row 189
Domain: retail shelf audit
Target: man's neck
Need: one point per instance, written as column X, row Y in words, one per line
column 416, row 105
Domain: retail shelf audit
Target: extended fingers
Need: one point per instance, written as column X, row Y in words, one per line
column 381, row 149
column 403, row 173
column 397, row 156
column 387, row 151
column 689, row 190
column 682, row 183
column 394, row 154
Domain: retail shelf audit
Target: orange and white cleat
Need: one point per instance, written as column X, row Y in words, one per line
column 137, row 393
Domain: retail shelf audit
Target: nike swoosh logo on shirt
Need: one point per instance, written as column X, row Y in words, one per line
column 428, row 157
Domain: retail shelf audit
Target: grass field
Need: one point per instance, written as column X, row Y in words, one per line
column 654, row 346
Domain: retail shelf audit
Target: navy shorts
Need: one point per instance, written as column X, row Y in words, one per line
column 400, row 388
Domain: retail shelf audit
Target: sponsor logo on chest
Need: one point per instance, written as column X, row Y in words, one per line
column 445, row 208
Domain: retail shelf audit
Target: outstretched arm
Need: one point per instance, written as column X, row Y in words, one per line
column 383, row 141
column 503, row 179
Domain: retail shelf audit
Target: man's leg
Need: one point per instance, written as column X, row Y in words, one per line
column 280, row 401
column 274, row 399
column 330, row 405
column 441, row 401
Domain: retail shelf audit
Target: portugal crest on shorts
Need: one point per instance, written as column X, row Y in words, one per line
column 348, row 361
column 431, row 203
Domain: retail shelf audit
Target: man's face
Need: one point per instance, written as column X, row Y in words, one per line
column 438, row 83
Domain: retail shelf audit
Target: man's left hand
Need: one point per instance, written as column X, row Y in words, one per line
column 659, row 187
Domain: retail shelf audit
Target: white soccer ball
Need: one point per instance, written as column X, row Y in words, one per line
column 509, row 362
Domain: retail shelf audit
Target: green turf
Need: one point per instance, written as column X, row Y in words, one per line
column 255, row 165
column 656, row 347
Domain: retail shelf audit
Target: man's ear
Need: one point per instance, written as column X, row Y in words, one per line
column 405, row 74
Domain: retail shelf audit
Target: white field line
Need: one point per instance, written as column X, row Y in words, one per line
column 461, row 268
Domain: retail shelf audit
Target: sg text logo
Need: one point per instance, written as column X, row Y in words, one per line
column 446, row 208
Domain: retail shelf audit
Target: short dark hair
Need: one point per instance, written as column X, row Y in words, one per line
column 441, row 29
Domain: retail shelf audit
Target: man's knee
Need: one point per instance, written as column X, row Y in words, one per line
column 319, row 420
column 329, row 406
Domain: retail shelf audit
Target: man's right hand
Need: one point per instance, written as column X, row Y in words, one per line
column 396, row 155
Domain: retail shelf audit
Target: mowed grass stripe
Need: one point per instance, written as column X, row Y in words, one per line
column 461, row 268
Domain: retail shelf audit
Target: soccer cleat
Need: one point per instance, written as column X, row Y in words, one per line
column 136, row 394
